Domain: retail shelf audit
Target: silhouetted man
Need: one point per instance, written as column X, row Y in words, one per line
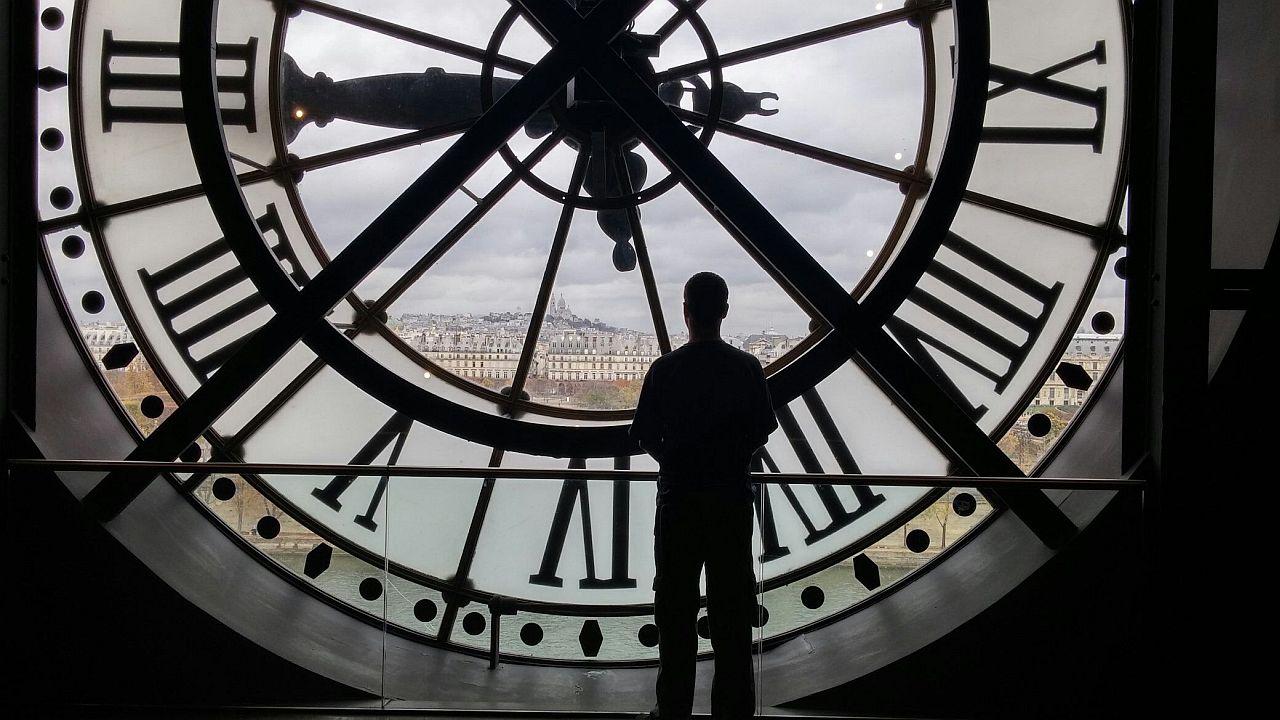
column 703, row 412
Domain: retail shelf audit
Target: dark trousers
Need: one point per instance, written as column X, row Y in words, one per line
column 711, row 528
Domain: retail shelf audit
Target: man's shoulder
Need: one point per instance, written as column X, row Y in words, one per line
column 672, row 358
column 697, row 353
column 743, row 355
column 663, row 361
column 746, row 359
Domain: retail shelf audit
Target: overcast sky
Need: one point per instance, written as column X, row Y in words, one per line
column 860, row 95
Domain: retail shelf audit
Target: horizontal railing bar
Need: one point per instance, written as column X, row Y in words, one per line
column 417, row 709
column 443, row 472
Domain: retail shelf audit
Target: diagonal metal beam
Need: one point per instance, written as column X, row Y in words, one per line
column 789, row 263
column 301, row 313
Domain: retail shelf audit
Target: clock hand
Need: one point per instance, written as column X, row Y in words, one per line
column 736, row 103
column 399, row 100
column 434, row 98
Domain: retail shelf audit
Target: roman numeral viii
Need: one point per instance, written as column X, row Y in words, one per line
column 577, row 493
column 838, row 514
column 997, row 288
column 200, row 298
column 1009, row 80
column 150, row 90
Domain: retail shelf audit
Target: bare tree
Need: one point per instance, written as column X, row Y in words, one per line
column 241, row 488
column 270, row 508
column 942, row 514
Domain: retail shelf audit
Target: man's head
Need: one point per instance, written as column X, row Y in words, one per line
column 706, row 302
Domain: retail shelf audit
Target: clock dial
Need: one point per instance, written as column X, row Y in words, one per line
column 277, row 317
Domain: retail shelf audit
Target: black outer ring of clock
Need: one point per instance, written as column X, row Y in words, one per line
column 402, row 395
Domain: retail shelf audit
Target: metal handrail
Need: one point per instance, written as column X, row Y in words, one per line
column 428, row 472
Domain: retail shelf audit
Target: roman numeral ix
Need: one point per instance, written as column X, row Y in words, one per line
column 1008, row 80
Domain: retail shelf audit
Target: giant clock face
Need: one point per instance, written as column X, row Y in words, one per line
column 267, row 306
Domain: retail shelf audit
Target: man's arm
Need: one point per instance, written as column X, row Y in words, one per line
column 646, row 425
column 762, row 420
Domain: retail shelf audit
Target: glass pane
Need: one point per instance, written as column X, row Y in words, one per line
column 684, row 239
column 841, row 217
column 937, row 37
column 465, row 21
column 597, row 338
column 741, row 25
column 469, row 314
column 341, row 200
column 356, row 108
column 533, row 544
column 846, row 425
column 859, row 95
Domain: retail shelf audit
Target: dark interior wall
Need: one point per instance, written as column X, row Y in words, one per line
column 86, row 622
